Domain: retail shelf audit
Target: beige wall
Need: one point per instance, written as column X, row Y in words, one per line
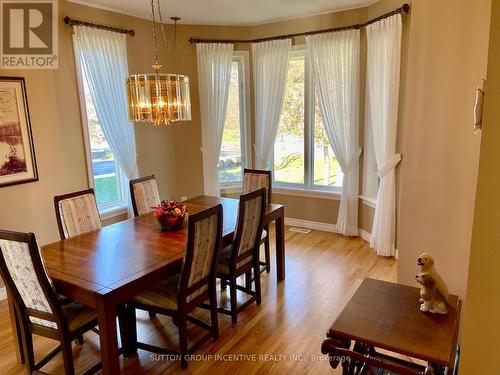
column 481, row 325
column 447, row 56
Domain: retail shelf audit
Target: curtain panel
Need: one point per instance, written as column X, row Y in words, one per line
column 383, row 69
column 270, row 68
column 101, row 57
column 214, row 75
column 334, row 60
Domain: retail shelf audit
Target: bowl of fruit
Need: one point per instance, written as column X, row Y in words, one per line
column 170, row 214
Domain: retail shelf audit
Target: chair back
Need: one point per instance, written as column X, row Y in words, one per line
column 77, row 213
column 200, row 260
column 25, row 276
column 254, row 179
column 144, row 194
column 251, row 212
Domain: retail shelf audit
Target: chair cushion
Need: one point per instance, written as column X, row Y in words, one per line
column 146, row 195
column 223, row 264
column 79, row 215
column 77, row 315
column 161, row 295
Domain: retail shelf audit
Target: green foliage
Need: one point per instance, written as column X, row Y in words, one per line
column 106, row 189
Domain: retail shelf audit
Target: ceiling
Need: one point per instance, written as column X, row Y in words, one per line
column 228, row 12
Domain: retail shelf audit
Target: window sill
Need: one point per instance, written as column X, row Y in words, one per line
column 310, row 193
column 230, row 189
column 368, row 201
column 110, row 213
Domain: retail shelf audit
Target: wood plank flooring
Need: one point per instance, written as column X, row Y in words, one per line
column 323, row 271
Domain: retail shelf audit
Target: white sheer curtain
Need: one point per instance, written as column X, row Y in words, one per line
column 214, row 76
column 270, row 68
column 334, row 59
column 383, row 64
column 101, row 58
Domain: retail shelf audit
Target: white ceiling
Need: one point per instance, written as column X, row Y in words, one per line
column 228, row 12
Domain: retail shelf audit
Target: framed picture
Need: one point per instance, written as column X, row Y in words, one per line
column 17, row 153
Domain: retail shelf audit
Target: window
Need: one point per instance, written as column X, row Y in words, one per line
column 303, row 157
column 232, row 158
column 104, row 172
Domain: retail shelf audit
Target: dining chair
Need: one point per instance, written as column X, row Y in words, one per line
column 188, row 289
column 39, row 309
column 144, row 194
column 242, row 255
column 254, row 179
column 77, row 213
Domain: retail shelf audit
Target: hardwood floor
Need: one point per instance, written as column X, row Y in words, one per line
column 323, row 271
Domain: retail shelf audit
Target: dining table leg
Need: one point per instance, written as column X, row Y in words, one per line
column 16, row 329
column 106, row 318
column 280, row 246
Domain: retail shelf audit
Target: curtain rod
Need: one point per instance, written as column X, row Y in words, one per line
column 73, row 22
column 404, row 9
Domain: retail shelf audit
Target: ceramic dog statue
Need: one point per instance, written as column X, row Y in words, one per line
column 426, row 263
column 433, row 301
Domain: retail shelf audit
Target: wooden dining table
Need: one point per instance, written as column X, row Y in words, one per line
column 107, row 267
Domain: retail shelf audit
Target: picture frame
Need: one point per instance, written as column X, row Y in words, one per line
column 17, row 150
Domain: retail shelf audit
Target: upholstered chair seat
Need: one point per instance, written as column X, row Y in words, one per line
column 163, row 295
column 78, row 315
column 224, row 264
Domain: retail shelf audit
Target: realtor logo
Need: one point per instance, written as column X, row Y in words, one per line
column 29, row 34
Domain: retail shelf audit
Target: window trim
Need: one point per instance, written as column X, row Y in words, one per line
column 245, row 116
column 308, row 185
column 109, row 210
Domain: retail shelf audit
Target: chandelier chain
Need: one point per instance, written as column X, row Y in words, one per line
column 162, row 26
column 156, row 65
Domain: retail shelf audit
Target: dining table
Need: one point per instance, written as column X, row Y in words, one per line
column 106, row 267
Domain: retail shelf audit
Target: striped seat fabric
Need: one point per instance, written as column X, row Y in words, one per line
column 20, row 265
column 255, row 181
column 79, row 215
column 146, row 195
column 249, row 231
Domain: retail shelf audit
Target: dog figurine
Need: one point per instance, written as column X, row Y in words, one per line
column 433, row 301
column 426, row 263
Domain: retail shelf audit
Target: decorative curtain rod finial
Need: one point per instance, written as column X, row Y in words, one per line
column 72, row 22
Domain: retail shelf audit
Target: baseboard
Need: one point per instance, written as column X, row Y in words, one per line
column 365, row 235
column 325, row 227
column 3, row 294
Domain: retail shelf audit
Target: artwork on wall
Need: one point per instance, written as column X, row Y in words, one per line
column 17, row 153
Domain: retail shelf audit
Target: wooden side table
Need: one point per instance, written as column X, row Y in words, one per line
column 383, row 315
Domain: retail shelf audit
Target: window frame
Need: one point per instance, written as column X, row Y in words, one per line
column 111, row 209
column 309, row 98
column 245, row 134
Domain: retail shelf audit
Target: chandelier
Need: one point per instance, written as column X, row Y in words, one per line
column 158, row 98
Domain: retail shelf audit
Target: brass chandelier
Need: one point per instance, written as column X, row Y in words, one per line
column 158, row 98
